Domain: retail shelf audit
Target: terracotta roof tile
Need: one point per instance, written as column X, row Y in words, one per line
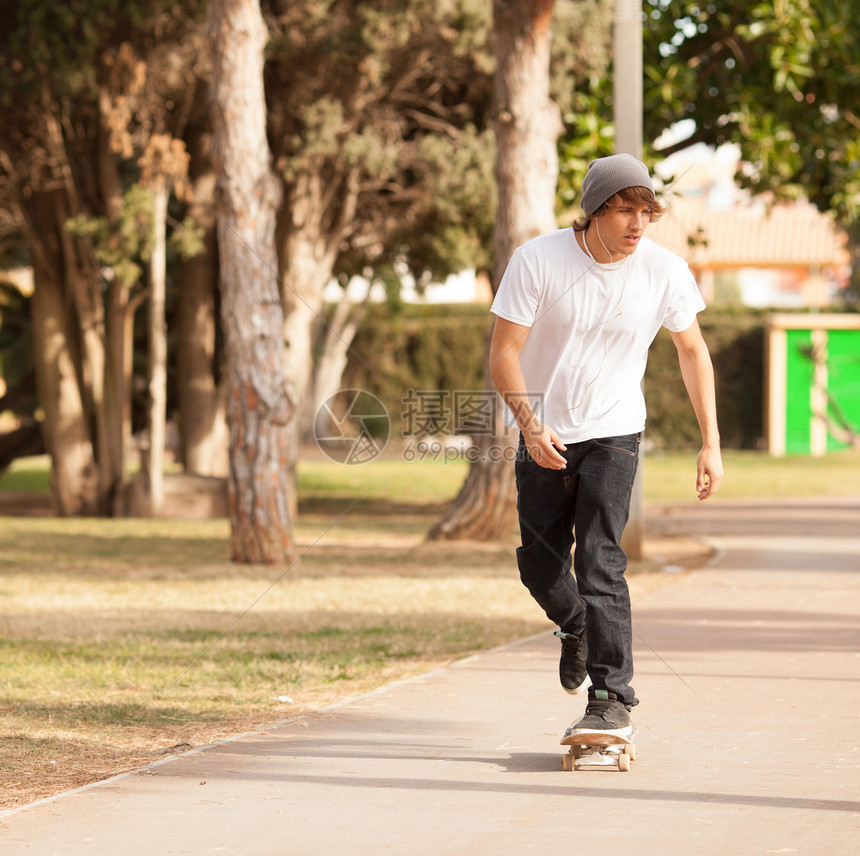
column 786, row 236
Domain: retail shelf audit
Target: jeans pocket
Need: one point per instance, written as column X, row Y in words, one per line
column 626, row 443
column 620, row 456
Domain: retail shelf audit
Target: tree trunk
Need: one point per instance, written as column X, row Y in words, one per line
column 258, row 408
column 309, row 235
column 82, row 288
column 157, row 370
column 339, row 335
column 302, row 309
column 527, row 126
column 120, row 345
column 202, row 422
column 74, row 473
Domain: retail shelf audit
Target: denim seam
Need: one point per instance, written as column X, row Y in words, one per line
column 630, row 452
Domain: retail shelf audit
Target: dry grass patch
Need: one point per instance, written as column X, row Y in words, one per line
column 124, row 641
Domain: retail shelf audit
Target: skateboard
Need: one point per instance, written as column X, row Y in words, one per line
column 597, row 750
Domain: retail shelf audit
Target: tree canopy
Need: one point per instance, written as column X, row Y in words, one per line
column 778, row 79
column 380, row 122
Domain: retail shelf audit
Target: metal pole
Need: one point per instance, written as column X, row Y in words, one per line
column 627, row 79
column 627, row 91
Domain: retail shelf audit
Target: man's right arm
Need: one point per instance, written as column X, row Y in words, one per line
column 541, row 441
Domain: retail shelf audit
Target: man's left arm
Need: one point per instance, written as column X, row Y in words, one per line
column 698, row 373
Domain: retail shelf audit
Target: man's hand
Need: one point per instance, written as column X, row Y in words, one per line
column 543, row 445
column 709, row 472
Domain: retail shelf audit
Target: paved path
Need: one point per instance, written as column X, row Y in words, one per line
column 749, row 676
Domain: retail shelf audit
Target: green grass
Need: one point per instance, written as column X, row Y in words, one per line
column 325, row 484
column 27, row 474
column 667, row 478
column 390, row 479
column 754, row 475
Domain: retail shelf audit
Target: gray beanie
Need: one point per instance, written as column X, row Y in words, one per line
column 606, row 176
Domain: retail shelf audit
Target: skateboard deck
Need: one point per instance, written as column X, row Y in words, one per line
column 597, row 750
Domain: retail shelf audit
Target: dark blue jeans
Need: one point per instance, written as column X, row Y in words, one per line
column 588, row 504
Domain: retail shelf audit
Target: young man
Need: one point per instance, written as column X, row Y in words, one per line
column 577, row 310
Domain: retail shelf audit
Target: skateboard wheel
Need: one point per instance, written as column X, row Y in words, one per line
column 576, row 751
column 567, row 762
column 630, row 750
column 624, row 763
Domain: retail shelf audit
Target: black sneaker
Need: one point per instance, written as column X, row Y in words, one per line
column 603, row 713
column 571, row 666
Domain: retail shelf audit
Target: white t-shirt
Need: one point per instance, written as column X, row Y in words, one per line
column 591, row 327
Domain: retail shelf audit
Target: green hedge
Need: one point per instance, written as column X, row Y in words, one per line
column 736, row 343
column 443, row 348
column 426, row 348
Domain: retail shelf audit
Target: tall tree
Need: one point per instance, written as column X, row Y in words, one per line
column 164, row 162
column 199, row 352
column 780, row 80
column 248, row 194
column 71, row 85
column 378, row 125
column 527, row 125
